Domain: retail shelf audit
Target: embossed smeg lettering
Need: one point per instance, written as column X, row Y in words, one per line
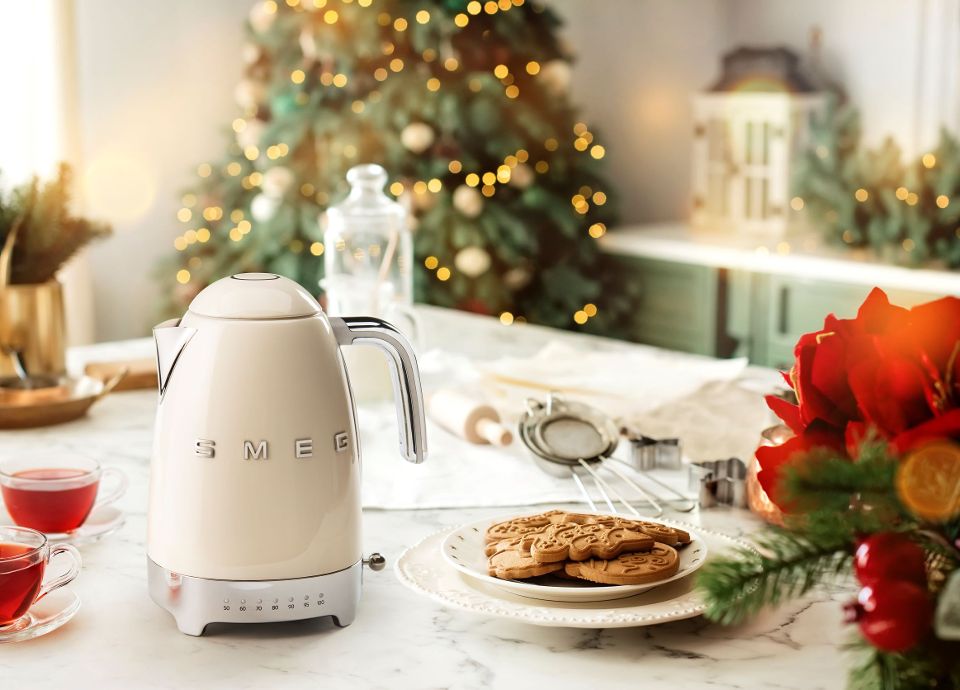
column 260, row 450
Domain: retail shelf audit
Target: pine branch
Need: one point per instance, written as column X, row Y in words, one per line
column 784, row 565
column 923, row 667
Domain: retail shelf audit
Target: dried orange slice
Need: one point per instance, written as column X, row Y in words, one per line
column 928, row 481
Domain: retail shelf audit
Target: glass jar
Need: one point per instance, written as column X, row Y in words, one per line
column 369, row 250
column 368, row 262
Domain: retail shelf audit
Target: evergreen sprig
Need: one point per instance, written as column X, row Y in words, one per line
column 924, row 667
column 838, row 501
column 905, row 211
column 784, row 565
column 48, row 235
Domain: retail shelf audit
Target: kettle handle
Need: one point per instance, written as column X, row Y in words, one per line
column 369, row 330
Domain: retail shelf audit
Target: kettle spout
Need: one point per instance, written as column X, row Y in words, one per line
column 170, row 338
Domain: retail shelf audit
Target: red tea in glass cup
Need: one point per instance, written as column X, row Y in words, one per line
column 24, row 555
column 55, row 495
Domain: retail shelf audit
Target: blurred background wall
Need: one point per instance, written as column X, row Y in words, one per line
column 155, row 88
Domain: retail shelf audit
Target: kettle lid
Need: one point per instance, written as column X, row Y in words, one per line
column 254, row 296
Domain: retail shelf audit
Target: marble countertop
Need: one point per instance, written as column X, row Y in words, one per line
column 804, row 256
column 121, row 639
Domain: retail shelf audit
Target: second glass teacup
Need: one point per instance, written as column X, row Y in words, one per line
column 56, row 495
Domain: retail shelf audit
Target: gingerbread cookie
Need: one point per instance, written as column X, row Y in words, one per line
column 641, row 568
column 662, row 533
column 575, row 542
column 517, row 527
column 513, row 563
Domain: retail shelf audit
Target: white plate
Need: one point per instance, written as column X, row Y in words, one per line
column 463, row 549
column 101, row 522
column 423, row 569
column 45, row 616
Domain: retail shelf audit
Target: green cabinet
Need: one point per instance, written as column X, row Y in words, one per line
column 724, row 313
column 678, row 305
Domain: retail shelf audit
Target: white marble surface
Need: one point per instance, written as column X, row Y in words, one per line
column 805, row 256
column 120, row 639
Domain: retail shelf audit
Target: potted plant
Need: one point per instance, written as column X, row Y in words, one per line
column 37, row 236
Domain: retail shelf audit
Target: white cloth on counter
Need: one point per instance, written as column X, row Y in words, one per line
column 626, row 384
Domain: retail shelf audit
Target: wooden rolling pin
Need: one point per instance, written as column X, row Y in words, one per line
column 464, row 416
column 142, row 373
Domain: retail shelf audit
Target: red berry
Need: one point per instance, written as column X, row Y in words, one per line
column 889, row 556
column 894, row 615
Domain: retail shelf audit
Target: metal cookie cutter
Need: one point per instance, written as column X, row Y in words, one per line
column 720, row 482
column 647, row 453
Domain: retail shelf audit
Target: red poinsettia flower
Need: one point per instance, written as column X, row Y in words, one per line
column 889, row 371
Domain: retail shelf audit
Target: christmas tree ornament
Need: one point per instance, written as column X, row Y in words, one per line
column 251, row 53
column 262, row 16
column 929, row 481
column 417, row 137
column 517, row 278
column 252, row 133
column 468, row 201
column 263, row 207
column 555, row 76
column 308, row 43
column 522, row 176
column 472, row 261
column 893, row 615
column 276, row 181
column 248, row 94
column 889, row 556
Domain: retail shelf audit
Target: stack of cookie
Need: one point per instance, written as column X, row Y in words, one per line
column 604, row 549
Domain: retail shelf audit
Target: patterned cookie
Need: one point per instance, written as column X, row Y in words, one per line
column 517, row 527
column 503, row 544
column 662, row 533
column 513, row 563
column 657, row 564
column 570, row 541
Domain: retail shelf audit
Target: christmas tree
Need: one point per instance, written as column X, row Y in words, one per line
column 465, row 104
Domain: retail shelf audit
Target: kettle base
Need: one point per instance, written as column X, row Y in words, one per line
column 195, row 602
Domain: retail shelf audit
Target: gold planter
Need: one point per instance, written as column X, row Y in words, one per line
column 32, row 323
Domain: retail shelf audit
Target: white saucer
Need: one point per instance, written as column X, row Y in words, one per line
column 423, row 569
column 45, row 616
column 101, row 522
column 463, row 549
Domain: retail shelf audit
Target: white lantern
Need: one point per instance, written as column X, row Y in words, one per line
column 745, row 139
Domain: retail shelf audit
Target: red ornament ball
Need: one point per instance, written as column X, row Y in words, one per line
column 893, row 615
column 889, row 556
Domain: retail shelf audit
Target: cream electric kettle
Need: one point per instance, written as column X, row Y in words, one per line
column 255, row 478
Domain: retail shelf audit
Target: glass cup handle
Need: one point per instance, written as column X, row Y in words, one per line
column 68, row 576
column 118, row 490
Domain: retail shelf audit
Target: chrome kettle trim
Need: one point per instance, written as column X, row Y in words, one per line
column 369, row 330
column 169, row 339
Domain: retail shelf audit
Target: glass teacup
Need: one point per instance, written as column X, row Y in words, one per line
column 54, row 494
column 24, row 555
